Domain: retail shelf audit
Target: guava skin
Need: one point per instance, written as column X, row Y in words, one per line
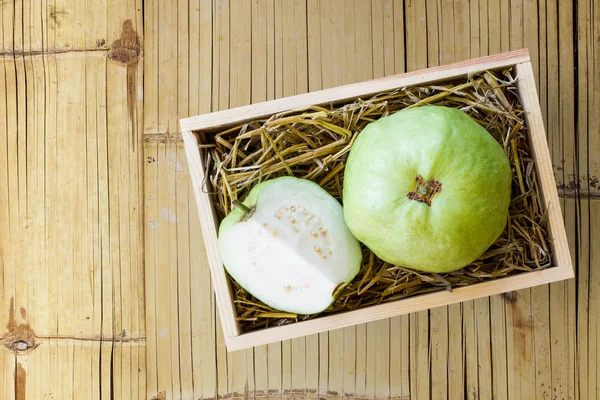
column 292, row 250
column 439, row 144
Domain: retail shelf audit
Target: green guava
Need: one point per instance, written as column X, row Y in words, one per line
column 427, row 188
column 288, row 245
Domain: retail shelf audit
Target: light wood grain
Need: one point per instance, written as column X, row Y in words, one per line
column 588, row 289
column 71, row 212
column 225, row 118
column 539, row 146
column 226, row 309
column 387, row 310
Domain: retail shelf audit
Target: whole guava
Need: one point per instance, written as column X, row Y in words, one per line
column 427, row 188
column 288, row 245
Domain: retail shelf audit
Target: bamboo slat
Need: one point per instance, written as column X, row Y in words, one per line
column 535, row 40
column 70, row 190
column 262, row 67
column 589, row 167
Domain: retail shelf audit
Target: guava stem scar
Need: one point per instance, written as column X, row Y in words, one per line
column 424, row 191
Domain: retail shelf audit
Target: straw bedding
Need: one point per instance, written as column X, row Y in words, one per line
column 314, row 143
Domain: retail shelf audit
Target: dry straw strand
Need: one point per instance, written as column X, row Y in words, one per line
column 314, row 143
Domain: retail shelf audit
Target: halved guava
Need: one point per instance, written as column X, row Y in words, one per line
column 427, row 188
column 288, row 245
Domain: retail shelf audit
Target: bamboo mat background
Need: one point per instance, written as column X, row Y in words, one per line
column 101, row 256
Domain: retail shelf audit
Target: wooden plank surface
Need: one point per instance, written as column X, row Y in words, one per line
column 71, row 195
column 88, row 232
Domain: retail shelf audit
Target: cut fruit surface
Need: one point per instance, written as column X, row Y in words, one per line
column 290, row 248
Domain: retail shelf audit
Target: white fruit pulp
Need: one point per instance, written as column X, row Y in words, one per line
column 294, row 250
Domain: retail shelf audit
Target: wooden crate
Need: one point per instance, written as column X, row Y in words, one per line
column 561, row 269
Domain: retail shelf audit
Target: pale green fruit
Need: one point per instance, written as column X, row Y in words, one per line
column 419, row 151
column 291, row 248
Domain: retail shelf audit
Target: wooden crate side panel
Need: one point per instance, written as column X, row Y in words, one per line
column 230, row 117
column 223, row 290
column 209, row 231
column 400, row 307
column 535, row 123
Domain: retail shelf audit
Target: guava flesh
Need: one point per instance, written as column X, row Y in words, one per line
column 427, row 188
column 293, row 249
